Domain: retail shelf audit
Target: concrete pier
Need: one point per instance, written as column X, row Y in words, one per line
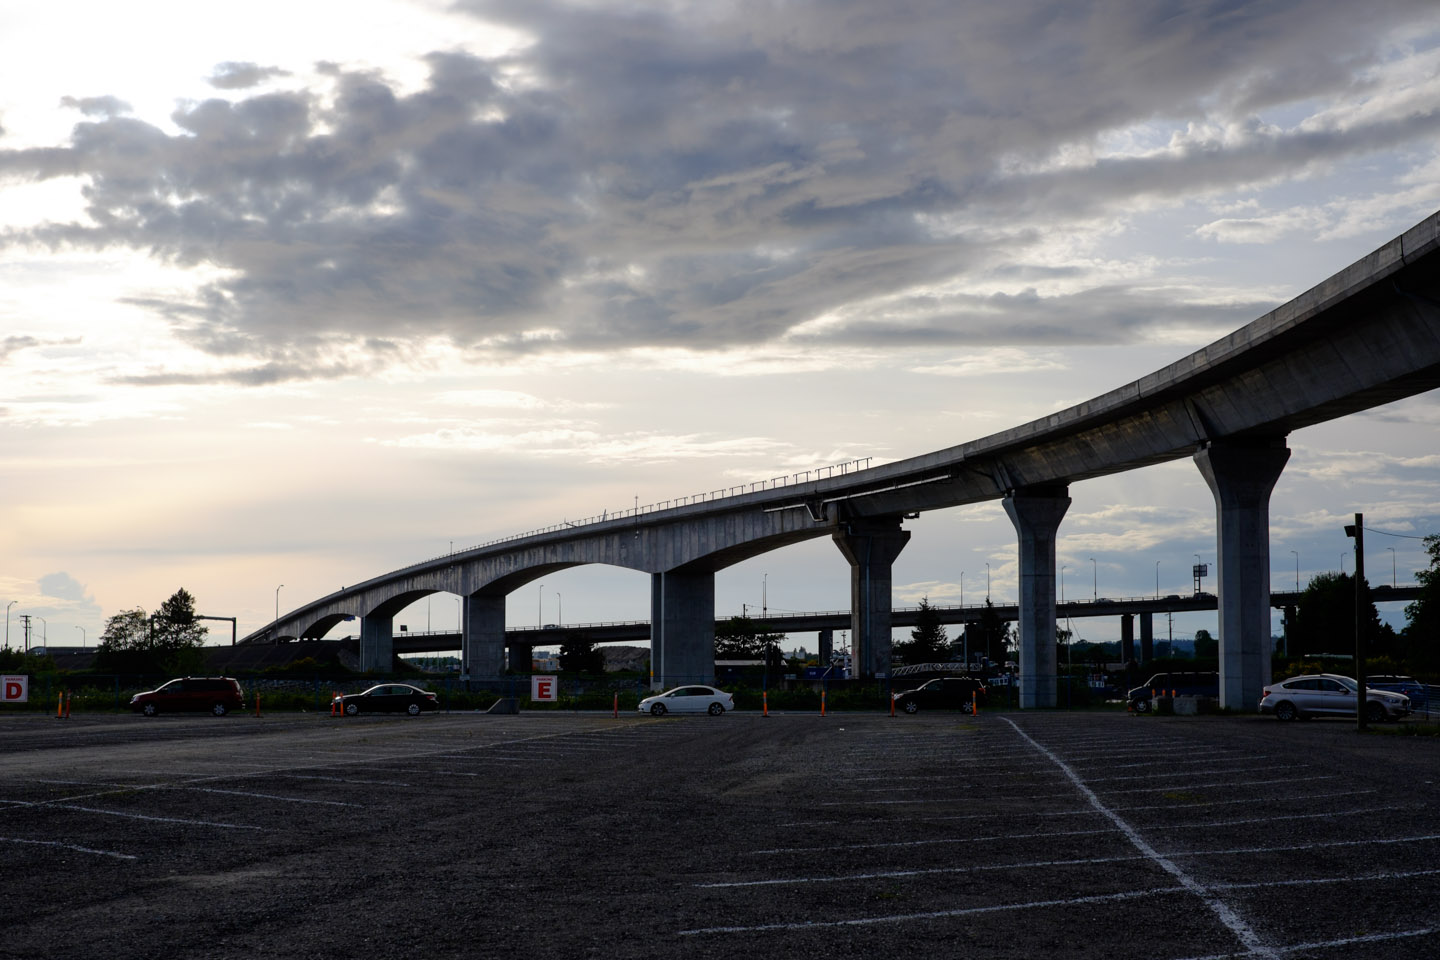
column 377, row 644
column 482, row 640
column 1036, row 514
column 1241, row 475
column 682, row 629
column 871, row 545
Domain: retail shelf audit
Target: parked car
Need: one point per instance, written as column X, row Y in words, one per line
column 1412, row 688
column 217, row 695
column 955, row 693
column 691, row 699
column 1200, row 684
column 388, row 698
column 1329, row 695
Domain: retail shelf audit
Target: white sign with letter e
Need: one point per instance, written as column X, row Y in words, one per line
column 543, row 688
column 15, row 689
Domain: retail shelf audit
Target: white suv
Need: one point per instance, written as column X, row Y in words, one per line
column 1329, row 695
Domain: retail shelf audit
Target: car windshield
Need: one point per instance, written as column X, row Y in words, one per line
column 1349, row 684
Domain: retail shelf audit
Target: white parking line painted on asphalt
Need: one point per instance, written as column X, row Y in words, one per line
column 919, row 872
column 1334, row 944
column 146, row 816
column 1225, row 913
column 1201, row 824
column 71, row 846
column 271, row 796
column 1316, row 881
column 1317, row 845
column 1293, row 798
column 957, row 816
column 1171, row 772
column 1229, row 784
column 372, row 783
column 925, row 843
column 935, row 914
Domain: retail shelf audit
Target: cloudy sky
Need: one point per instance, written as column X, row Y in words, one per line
column 299, row 293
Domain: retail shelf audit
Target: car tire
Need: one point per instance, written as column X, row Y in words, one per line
column 351, row 709
column 1285, row 710
column 219, row 710
column 967, row 707
column 657, row 709
column 1142, row 706
column 1375, row 712
column 149, row 710
column 716, row 709
column 413, row 709
column 910, row 706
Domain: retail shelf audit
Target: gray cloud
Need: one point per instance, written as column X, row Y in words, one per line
column 239, row 76
column 707, row 177
column 13, row 344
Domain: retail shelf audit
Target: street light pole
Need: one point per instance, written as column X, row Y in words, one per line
column 540, row 607
column 1094, row 580
column 7, row 622
column 83, row 638
column 1063, row 568
column 1393, row 581
column 1157, row 579
column 1297, row 571
column 559, row 609
column 277, row 603
column 987, row 582
column 962, row 588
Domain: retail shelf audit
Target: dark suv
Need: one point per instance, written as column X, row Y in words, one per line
column 1173, row 684
column 217, row 695
column 951, row 692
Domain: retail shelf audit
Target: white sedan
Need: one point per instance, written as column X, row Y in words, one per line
column 691, row 699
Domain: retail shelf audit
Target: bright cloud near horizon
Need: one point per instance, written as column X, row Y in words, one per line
column 295, row 294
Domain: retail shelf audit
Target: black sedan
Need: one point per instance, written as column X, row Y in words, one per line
column 943, row 692
column 388, row 698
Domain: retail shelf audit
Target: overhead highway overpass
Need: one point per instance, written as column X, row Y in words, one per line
column 1366, row 336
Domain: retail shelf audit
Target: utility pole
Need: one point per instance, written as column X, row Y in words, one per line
column 1357, row 531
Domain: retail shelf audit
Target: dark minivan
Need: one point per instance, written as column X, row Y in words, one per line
column 217, row 695
column 1173, row 684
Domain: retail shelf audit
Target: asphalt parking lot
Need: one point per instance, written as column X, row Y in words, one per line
column 579, row 835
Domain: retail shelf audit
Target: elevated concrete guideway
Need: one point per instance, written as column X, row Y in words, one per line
column 1367, row 336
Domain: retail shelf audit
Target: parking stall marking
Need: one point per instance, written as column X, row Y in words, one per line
column 70, row 846
column 919, row 872
column 939, row 914
column 1226, row 914
column 1291, row 798
column 937, row 841
column 1334, row 944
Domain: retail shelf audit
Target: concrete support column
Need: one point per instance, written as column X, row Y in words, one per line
column 1036, row 514
column 520, row 657
column 1147, row 637
column 377, row 643
column 682, row 629
column 871, row 545
column 826, row 639
column 482, row 636
column 1241, row 475
column 1127, row 637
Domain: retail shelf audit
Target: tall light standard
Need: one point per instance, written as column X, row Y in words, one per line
column 45, row 634
column 83, row 638
column 962, row 588
column 1297, row 571
column 277, row 603
column 540, row 607
column 559, row 609
column 7, row 622
column 1094, row 580
column 1157, row 579
column 1393, row 580
column 1063, row 568
column 1342, row 563
column 987, row 582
